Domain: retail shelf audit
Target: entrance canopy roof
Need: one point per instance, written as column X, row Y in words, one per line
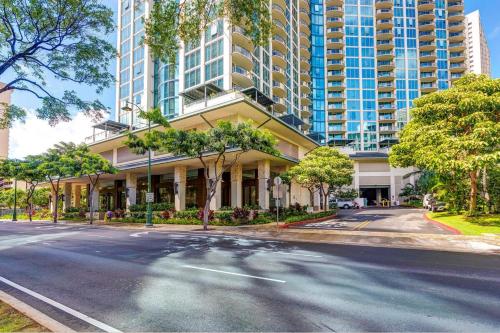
column 111, row 125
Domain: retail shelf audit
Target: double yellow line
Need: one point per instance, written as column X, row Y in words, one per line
column 361, row 225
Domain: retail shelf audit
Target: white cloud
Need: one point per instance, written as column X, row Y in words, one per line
column 35, row 135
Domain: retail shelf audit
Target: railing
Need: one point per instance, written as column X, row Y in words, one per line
column 242, row 50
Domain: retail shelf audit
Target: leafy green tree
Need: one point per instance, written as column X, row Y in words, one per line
column 63, row 39
column 324, row 169
column 56, row 164
column 7, row 197
column 454, row 132
column 41, row 197
column 92, row 166
column 220, row 146
column 173, row 22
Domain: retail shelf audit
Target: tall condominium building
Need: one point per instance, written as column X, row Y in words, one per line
column 222, row 60
column 379, row 55
column 478, row 52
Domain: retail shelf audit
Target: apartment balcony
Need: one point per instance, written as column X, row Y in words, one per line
column 336, row 118
column 427, row 46
column 455, row 6
column 279, row 29
column 386, row 118
column 242, row 77
column 385, row 65
column 279, row 59
column 385, row 24
column 386, row 97
column 455, row 37
column 305, row 64
column 456, row 26
column 334, row 43
column 384, row 13
column 305, row 112
column 305, row 87
column 456, row 47
column 335, row 86
column 427, row 56
column 336, row 74
column 386, row 107
column 385, row 76
column 279, row 43
column 426, row 36
column 240, row 38
column 428, row 66
column 426, row 15
column 334, row 11
column 385, row 45
column 305, row 99
column 334, row 2
column 428, row 87
column 279, row 89
column 457, row 67
column 242, row 57
column 336, row 129
column 426, row 25
column 305, row 5
column 425, row 5
column 334, row 32
column 304, row 39
column 456, row 16
column 385, row 55
column 279, row 74
column 385, row 86
column 456, row 76
column 334, row 54
column 384, row 34
column 279, row 13
column 281, row 3
column 304, row 27
column 279, row 104
column 335, row 64
column 334, row 22
column 379, row 4
column 428, row 77
column 305, row 76
column 304, row 52
column 457, row 57
column 387, row 129
column 336, row 96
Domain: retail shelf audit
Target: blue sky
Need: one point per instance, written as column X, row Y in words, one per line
column 35, row 135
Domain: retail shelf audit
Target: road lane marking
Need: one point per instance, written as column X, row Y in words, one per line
column 138, row 234
column 61, row 307
column 287, row 253
column 361, row 225
column 232, row 273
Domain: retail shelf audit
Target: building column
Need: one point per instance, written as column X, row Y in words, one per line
column 236, row 185
column 131, row 189
column 78, row 195
column 67, row 196
column 393, row 195
column 216, row 202
column 95, row 199
column 180, row 187
column 264, row 174
column 356, row 176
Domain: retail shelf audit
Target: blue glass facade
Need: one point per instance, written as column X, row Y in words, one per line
column 318, row 123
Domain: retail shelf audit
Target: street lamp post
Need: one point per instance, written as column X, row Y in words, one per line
column 14, row 214
column 149, row 195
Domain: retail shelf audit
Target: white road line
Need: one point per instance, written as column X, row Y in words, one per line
column 101, row 236
column 61, row 307
column 232, row 273
column 138, row 234
column 287, row 253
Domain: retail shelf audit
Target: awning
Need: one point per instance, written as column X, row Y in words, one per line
column 111, row 125
column 388, row 142
column 339, row 142
column 316, row 136
column 292, row 119
column 258, row 96
column 201, row 92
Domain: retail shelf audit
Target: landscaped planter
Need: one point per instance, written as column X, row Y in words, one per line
column 319, row 219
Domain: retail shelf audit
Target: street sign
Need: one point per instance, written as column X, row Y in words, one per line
column 150, row 197
column 278, row 181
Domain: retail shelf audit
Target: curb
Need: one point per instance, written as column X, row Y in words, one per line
column 41, row 318
column 319, row 219
column 442, row 225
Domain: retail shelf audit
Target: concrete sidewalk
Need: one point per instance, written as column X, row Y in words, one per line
column 452, row 243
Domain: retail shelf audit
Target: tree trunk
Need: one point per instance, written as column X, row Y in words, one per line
column 91, row 207
column 485, row 190
column 30, row 211
column 56, row 204
column 473, row 192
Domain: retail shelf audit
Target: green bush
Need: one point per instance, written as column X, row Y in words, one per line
column 311, row 216
column 72, row 210
column 223, row 216
column 187, row 214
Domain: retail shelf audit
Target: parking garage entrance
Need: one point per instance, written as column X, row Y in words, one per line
column 374, row 194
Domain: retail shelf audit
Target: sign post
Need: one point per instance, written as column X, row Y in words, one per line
column 150, row 197
column 277, row 182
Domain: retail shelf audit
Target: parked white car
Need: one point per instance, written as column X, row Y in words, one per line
column 344, row 203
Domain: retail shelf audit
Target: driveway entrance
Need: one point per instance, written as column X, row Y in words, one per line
column 381, row 220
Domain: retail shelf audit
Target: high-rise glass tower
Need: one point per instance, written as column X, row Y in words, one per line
column 223, row 59
column 379, row 56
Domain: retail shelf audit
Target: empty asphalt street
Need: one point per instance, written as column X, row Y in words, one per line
column 103, row 279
